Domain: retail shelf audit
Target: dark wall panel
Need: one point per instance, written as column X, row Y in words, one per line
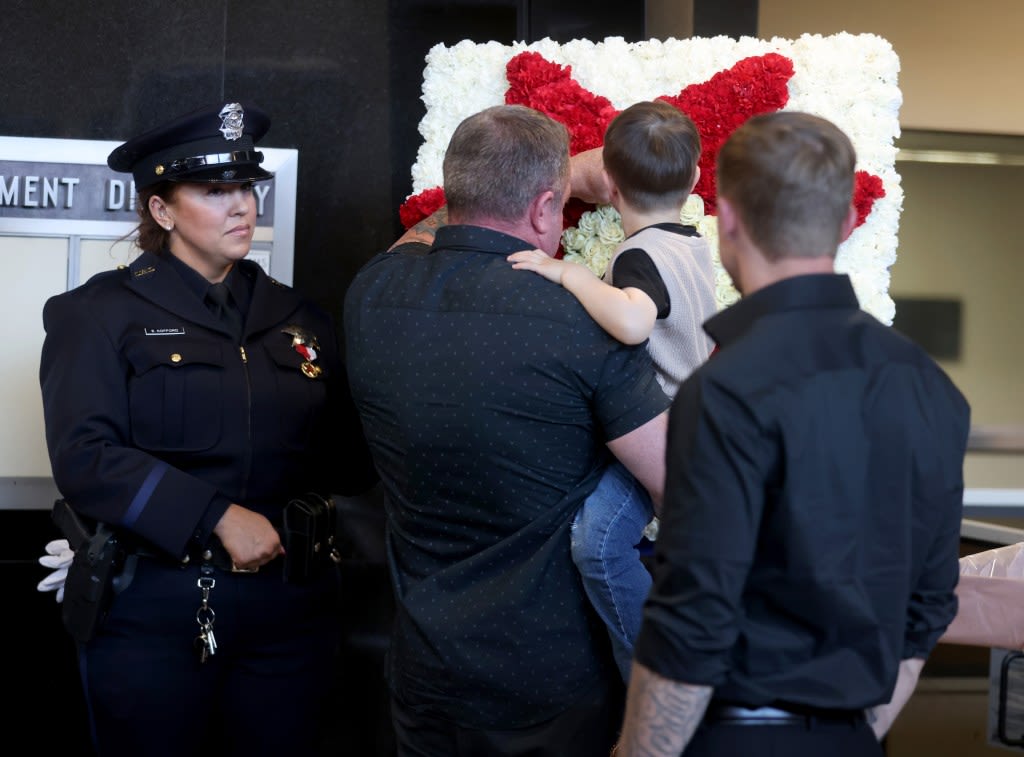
column 415, row 27
column 106, row 70
column 735, row 18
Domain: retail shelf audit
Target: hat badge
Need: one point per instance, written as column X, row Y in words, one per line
column 231, row 121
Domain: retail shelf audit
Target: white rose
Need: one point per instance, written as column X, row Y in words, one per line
column 609, row 230
column 693, row 210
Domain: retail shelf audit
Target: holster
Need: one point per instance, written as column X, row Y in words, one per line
column 90, row 584
column 72, row 526
column 310, row 524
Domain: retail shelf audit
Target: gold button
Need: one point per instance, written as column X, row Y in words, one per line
column 159, row 170
column 175, row 358
column 207, row 554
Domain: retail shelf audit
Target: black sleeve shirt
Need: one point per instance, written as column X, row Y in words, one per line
column 810, row 531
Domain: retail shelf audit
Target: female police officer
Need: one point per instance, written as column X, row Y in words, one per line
column 184, row 422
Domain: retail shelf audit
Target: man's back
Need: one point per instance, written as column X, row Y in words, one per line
column 844, row 517
column 486, row 396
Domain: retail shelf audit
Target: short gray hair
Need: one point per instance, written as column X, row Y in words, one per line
column 501, row 158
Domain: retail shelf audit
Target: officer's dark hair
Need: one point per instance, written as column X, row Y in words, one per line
column 152, row 237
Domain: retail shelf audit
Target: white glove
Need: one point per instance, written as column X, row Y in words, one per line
column 58, row 556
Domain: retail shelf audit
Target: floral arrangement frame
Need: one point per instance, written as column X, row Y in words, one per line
column 719, row 82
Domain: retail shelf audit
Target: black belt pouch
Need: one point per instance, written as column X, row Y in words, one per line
column 309, row 532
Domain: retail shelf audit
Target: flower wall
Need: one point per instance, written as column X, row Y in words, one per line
column 719, row 82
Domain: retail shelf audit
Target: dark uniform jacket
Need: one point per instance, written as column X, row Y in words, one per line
column 153, row 411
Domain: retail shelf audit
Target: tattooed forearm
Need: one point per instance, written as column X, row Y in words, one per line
column 425, row 230
column 661, row 715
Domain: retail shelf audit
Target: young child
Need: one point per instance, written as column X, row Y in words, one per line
column 659, row 286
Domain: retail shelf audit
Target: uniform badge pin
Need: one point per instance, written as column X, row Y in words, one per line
column 304, row 343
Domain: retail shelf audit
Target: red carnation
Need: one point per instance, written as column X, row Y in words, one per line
column 419, row 206
column 548, row 87
column 758, row 84
column 867, row 189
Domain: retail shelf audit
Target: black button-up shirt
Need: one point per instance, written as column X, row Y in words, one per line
column 810, row 532
column 487, row 395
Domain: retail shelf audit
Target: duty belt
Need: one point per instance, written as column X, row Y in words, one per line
column 212, row 554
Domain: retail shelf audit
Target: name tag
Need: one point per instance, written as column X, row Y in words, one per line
column 171, row 331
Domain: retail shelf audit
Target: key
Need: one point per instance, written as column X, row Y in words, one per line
column 202, row 644
column 211, row 641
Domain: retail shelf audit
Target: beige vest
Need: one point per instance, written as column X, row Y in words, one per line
column 677, row 344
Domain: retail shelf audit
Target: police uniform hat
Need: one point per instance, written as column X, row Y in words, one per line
column 213, row 144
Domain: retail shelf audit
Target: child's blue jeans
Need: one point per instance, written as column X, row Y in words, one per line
column 606, row 534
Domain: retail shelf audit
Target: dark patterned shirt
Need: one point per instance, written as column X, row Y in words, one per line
column 487, row 395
